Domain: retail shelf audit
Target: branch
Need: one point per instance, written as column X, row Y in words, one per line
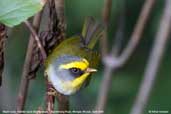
column 137, row 33
column 112, row 62
column 37, row 39
column 104, row 88
column 101, row 101
column 154, row 61
column 107, row 11
column 24, row 80
column 50, row 99
column 106, row 16
column 118, row 38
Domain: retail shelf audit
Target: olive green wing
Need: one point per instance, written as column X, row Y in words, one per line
column 91, row 32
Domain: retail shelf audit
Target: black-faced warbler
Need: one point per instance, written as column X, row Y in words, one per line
column 71, row 63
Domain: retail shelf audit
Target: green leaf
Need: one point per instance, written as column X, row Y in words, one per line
column 13, row 12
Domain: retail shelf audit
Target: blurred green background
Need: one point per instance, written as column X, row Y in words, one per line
column 125, row 82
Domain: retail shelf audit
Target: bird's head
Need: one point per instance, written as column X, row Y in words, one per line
column 68, row 73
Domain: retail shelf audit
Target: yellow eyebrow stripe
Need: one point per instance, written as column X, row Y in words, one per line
column 76, row 64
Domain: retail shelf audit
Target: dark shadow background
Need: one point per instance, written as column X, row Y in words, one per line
column 125, row 82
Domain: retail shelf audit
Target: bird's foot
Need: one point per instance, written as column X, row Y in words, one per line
column 52, row 92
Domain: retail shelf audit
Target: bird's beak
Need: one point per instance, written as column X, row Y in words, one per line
column 90, row 70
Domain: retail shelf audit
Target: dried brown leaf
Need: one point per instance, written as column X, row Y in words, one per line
column 49, row 39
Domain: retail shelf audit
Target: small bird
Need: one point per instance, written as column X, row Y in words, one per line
column 71, row 63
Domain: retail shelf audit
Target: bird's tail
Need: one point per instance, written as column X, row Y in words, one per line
column 92, row 31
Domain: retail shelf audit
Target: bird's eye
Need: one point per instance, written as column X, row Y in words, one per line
column 76, row 71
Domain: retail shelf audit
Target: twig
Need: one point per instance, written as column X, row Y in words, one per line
column 113, row 62
column 136, row 35
column 154, row 61
column 101, row 101
column 24, row 80
column 106, row 16
column 50, row 99
column 37, row 39
column 104, row 88
column 107, row 11
column 109, row 69
column 118, row 38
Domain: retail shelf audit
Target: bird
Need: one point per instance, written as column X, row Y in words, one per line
column 71, row 63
